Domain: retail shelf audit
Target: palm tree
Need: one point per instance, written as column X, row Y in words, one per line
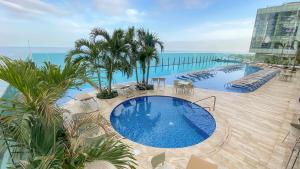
column 148, row 42
column 33, row 123
column 115, row 52
column 297, row 54
column 88, row 53
column 282, row 45
column 145, row 62
column 134, row 49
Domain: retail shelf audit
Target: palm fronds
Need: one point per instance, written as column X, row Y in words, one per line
column 32, row 123
column 115, row 52
column 148, row 42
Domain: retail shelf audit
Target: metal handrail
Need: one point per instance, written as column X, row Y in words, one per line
column 297, row 155
column 215, row 100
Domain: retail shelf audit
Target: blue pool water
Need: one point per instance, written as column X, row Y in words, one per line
column 162, row 121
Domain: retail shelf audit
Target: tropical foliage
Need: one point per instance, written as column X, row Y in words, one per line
column 114, row 55
column 148, row 44
column 121, row 51
column 87, row 52
column 133, row 52
column 33, row 124
column 106, row 52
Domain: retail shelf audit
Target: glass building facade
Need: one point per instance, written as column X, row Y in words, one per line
column 276, row 29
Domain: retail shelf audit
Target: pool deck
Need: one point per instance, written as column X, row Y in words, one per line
column 250, row 133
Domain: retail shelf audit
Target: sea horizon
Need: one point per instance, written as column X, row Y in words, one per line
column 23, row 52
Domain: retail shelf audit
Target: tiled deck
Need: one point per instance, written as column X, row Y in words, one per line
column 250, row 129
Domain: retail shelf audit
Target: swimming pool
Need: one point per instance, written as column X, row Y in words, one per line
column 162, row 121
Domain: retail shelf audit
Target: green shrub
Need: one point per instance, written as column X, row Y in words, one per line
column 104, row 94
column 150, row 87
column 145, row 87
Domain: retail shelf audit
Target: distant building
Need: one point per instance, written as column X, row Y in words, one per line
column 274, row 27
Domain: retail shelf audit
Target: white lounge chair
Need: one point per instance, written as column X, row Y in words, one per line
column 198, row 163
column 101, row 164
column 158, row 162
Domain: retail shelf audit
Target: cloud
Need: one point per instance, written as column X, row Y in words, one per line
column 189, row 4
column 111, row 7
column 224, row 36
column 237, row 45
column 31, row 8
column 197, row 3
column 232, row 29
column 106, row 12
column 118, row 11
column 133, row 15
column 43, row 23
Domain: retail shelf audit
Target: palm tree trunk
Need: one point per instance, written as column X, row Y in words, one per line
column 143, row 71
column 109, row 80
column 136, row 73
column 281, row 56
column 99, row 79
column 109, row 85
column 148, row 70
column 296, row 55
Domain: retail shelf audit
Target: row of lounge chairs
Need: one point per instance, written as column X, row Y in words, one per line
column 255, row 80
column 200, row 75
column 231, row 68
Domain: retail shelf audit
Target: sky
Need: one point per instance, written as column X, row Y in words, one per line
column 183, row 25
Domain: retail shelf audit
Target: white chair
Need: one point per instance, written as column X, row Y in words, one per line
column 158, row 162
column 162, row 80
column 198, row 163
column 101, row 164
column 189, row 88
column 155, row 80
column 177, row 86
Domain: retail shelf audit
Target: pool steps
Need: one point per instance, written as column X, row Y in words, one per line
column 197, row 119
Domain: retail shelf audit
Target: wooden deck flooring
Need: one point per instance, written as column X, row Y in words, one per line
column 250, row 132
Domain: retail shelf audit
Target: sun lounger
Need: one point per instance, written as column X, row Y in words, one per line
column 100, row 164
column 158, row 162
column 255, row 80
column 198, row 163
column 84, row 97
